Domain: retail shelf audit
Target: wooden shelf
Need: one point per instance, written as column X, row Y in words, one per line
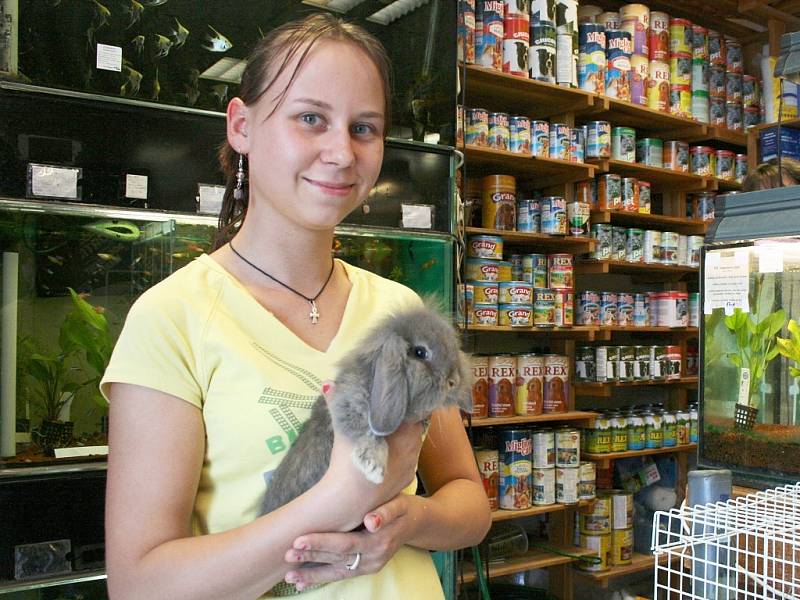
column 494, row 90
column 604, row 389
column 645, row 119
column 572, row 416
column 524, row 167
column 716, row 134
column 660, row 178
column 534, row 559
column 580, row 332
column 587, row 265
column 604, row 458
column 564, row 243
column 619, row 329
column 650, row 221
column 639, row 563
column 508, row 515
column 721, row 185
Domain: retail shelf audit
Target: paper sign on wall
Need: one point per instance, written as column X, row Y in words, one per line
column 726, row 282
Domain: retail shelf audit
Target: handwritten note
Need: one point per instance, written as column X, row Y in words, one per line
column 726, row 282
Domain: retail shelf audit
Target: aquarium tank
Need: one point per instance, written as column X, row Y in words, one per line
column 750, row 338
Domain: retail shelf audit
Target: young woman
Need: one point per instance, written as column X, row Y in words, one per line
column 217, row 366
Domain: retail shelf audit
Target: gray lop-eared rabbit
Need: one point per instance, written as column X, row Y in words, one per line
column 407, row 366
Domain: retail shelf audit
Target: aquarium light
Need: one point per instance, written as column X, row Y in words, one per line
column 226, row 69
column 395, row 10
column 341, row 6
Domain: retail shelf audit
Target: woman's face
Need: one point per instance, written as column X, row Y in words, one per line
column 318, row 155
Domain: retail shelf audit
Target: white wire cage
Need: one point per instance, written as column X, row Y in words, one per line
column 745, row 548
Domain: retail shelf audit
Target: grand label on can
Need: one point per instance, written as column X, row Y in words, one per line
column 485, row 246
column 515, row 469
column 556, row 383
column 529, row 385
column 502, row 373
column 488, row 460
column 480, row 386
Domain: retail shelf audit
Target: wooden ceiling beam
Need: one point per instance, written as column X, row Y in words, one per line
column 759, row 8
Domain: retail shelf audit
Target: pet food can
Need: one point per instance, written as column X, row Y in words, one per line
column 618, row 241
column 619, row 431
column 652, row 246
column 609, row 20
column 578, row 218
column 716, row 82
column 560, row 141
column 752, row 116
column 502, row 374
column 734, row 116
column 658, row 86
column 618, row 64
column 635, row 18
column 589, row 308
column 630, row 194
column 544, row 448
column 740, row 168
column 529, row 215
column 515, row 292
column 480, row 386
column 625, row 309
column 559, row 271
column 751, row 94
column 540, row 138
column 669, row 427
column 542, row 52
column 601, row 232
column 566, row 59
column 499, row 202
column 544, row 486
column 680, row 36
column 676, row 156
column 577, row 146
column 600, row 546
column 598, row 439
column 594, row 524
column 644, row 196
column 485, row 246
column 498, row 130
column 641, row 363
column 640, row 73
column 725, row 165
column 543, row 307
column 733, row 87
column 637, row 436
column 598, row 139
column 488, row 468
column 568, row 447
column 586, row 481
column 466, row 32
column 591, row 57
column 477, row 127
column 694, row 245
column 514, row 315
column 609, row 191
column 626, row 363
column 554, row 215
column 701, row 74
column 654, row 434
column 484, row 269
column 519, row 134
column 703, row 206
column 659, row 36
column 465, row 298
column 534, row 268
column 612, row 361
column 701, row 159
column 621, row 547
column 459, row 125
column 608, row 309
column 650, row 152
column 584, row 364
column 640, row 316
column 658, row 362
column 543, row 10
column 556, row 383
column 734, row 60
column 673, row 362
column 623, row 144
column 491, row 44
column 515, row 44
column 565, row 308
column 683, row 425
column 567, row 485
column 529, row 385
column 694, row 422
column 680, row 101
column 602, row 507
column 716, row 48
column 699, row 42
column 484, row 315
column 621, row 509
column 515, row 469
column 669, row 248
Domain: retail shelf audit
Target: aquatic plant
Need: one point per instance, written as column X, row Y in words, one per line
column 790, row 347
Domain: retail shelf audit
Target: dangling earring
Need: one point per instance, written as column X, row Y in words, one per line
column 365, row 207
column 238, row 191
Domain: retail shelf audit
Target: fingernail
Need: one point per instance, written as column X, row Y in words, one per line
column 301, row 546
column 291, row 577
column 298, row 556
column 326, row 387
column 376, row 520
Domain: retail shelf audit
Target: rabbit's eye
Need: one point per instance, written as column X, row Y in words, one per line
column 420, row 352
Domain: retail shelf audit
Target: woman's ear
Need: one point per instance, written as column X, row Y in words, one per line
column 237, row 125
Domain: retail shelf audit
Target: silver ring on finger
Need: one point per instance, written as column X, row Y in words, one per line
column 354, row 565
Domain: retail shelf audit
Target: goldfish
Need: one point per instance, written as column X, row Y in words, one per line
column 163, row 44
column 134, row 10
column 219, row 43
column 132, row 83
column 138, row 43
column 428, row 264
column 180, row 34
column 156, row 87
column 220, row 92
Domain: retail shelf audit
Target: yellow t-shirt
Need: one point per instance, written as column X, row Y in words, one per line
column 201, row 336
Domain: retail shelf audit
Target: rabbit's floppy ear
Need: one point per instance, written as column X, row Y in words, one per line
column 388, row 399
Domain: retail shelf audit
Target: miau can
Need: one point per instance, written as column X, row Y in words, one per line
column 542, row 52
column 589, row 308
column 487, row 460
column 529, row 215
column 515, row 469
column 480, row 386
column 477, row 127
column 609, row 191
column 491, row 46
column 530, row 386
column 560, row 141
column 554, row 215
column 578, row 218
column 519, row 134
column 498, row 130
column 598, row 139
column 625, row 309
column 544, row 486
column 502, row 374
column 568, row 447
column 586, row 481
column 544, row 448
column 540, row 138
column 567, row 485
column 601, row 232
column 559, row 271
column 556, row 383
column 543, row 307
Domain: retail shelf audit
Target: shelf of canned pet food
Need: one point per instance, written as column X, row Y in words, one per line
column 639, row 563
column 586, row 417
column 508, row 515
column 563, row 243
column 535, row 558
column 649, row 221
column 606, row 456
column 603, row 389
column 584, row 332
column 590, row 265
column 528, row 166
column 659, row 177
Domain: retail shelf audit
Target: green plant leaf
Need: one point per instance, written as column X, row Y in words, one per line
column 794, row 329
column 794, row 372
column 88, row 313
column 735, row 359
column 770, row 356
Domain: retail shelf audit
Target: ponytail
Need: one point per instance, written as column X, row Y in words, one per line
column 233, row 211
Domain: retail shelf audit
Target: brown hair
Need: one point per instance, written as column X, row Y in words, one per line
column 765, row 176
column 266, row 63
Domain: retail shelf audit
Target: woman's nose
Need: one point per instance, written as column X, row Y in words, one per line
column 338, row 147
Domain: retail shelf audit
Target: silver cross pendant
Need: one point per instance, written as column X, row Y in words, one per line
column 314, row 314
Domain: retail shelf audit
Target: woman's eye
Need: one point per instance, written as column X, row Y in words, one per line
column 311, row 119
column 363, row 129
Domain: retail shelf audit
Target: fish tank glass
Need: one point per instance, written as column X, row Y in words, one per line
column 69, row 275
column 750, row 404
column 190, row 54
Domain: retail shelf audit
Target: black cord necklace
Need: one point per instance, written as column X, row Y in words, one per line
column 314, row 314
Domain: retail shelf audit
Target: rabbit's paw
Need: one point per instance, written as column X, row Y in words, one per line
column 371, row 457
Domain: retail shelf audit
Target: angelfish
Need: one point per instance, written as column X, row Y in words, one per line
column 219, row 43
column 138, row 43
column 135, row 10
column 134, row 79
column 180, row 34
column 163, row 44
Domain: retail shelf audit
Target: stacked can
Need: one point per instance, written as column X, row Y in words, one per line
column 716, row 78
column 542, row 50
column 658, row 86
column 751, row 100
column 680, row 62
column 516, row 39
column 567, row 464
column 591, row 57
column 489, row 50
column 566, row 19
column 466, row 31
column 515, row 467
column 734, row 74
column 594, row 532
column 619, row 48
column 635, row 20
column 676, row 156
column 480, row 386
column 700, row 73
column 529, row 384
column 484, row 269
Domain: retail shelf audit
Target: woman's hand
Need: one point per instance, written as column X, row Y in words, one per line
column 356, row 553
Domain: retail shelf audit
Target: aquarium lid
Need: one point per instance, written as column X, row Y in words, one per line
column 752, row 215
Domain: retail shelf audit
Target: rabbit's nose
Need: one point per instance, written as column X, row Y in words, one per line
column 451, row 383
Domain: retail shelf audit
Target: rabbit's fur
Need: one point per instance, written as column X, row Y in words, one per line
column 407, row 366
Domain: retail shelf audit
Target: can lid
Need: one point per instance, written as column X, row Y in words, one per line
column 503, row 183
column 679, row 21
